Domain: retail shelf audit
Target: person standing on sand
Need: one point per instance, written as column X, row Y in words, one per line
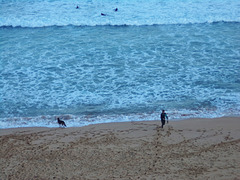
column 163, row 118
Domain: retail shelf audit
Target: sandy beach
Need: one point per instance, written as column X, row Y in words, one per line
column 187, row 149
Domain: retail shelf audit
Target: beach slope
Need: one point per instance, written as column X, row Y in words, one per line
column 187, row 149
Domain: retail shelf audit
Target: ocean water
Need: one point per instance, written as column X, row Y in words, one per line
column 59, row 61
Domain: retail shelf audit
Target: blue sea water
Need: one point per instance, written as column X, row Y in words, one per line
column 58, row 61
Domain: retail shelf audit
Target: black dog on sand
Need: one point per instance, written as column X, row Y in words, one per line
column 61, row 123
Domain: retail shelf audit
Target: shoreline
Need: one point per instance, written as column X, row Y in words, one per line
column 196, row 148
column 171, row 120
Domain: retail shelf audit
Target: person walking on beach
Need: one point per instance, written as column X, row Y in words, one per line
column 164, row 117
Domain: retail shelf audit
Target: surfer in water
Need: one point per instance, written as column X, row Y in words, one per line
column 103, row 14
column 164, row 117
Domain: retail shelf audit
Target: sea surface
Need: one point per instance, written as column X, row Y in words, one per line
column 65, row 59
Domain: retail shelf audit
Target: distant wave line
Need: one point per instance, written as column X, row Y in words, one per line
column 120, row 25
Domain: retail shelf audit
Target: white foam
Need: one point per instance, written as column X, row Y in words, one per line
column 84, row 120
column 100, row 70
column 29, row 13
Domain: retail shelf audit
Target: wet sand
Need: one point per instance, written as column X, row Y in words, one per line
column 187, row 149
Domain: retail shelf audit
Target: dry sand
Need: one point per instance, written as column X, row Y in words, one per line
column 188, row 149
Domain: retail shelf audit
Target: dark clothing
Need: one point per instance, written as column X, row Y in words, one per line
column 163, row 122
column 163, row 118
